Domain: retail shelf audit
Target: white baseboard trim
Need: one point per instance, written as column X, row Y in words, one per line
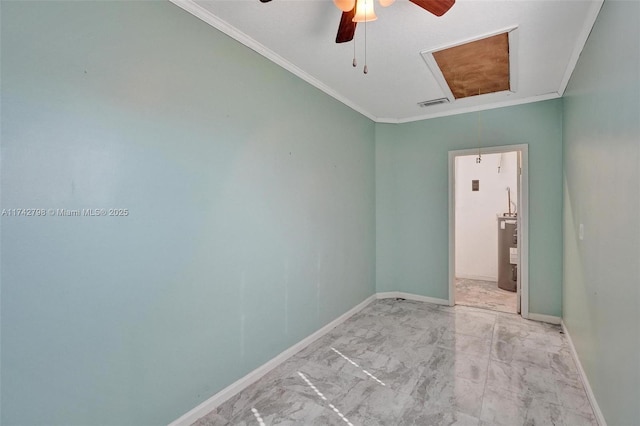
column 545, row 318
column 410, row 296
column 476, row 277
column 210, row 404
column 585, row 381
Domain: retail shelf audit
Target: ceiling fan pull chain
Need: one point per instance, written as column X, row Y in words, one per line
column 355, row 63
column 366, row 69
column 479, row 159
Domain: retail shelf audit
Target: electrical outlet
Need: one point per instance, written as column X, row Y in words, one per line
column 581, row 232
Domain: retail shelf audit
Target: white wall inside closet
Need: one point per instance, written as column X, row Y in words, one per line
column 476, row 211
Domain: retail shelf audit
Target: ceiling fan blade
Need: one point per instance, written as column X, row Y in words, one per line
column 437, row 7
column 347, row 27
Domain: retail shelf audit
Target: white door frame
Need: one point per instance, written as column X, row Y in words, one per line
column 523, row 219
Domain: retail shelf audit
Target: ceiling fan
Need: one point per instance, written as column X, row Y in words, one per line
column 351, row 11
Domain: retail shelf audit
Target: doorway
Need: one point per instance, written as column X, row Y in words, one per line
column 488, row 226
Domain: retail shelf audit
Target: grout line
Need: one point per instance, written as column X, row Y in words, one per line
column 486, row 379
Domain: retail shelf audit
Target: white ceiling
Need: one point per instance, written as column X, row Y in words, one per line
column 300, row 36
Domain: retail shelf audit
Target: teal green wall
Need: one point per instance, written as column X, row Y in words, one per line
column 260, row 209
column 602, row 191
column 412, row 222
column 251, row 212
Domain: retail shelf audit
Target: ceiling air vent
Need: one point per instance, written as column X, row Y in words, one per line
column 432, row 102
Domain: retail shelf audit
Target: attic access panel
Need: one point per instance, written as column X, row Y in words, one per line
column 477, row 67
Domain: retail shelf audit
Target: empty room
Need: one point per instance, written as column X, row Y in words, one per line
column 314, row 212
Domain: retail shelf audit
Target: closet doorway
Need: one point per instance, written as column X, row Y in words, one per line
column 488, row 224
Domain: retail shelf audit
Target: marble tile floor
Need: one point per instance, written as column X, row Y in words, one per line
column 485, row 294
column 400, row 362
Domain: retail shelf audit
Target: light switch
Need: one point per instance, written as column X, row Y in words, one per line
column 581, row 232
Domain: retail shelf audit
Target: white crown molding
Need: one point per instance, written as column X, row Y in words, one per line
column 592, row 15
column 200, row 12
column 474, row 108
column 585, row 381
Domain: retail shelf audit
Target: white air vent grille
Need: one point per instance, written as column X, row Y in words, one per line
column 432, row 102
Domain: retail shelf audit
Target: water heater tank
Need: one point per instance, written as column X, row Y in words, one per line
column 507, row 253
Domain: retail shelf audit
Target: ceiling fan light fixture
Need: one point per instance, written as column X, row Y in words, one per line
column 345, row 5
column 364, row 11
column 385, row 3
